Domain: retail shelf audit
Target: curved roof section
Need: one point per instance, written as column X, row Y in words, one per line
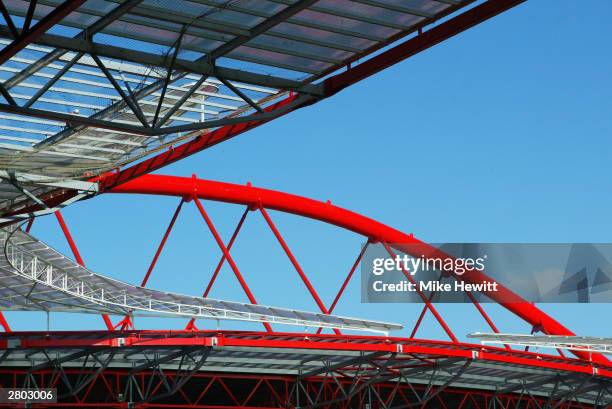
column 35, row 277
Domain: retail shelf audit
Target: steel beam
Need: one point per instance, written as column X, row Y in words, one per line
column 99, row 25
column 160, row 61
column 77, row 256
column 328, row 213
column 33, row 34
column 422, row 42
column 226, row 253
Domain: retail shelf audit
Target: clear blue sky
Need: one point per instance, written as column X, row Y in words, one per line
column 501, row 134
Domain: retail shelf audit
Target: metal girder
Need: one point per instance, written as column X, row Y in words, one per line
column 335, row 83
column 53, row 80
column 427, row 39
column 29, row 35
column 261, row 28
column 156, row 60
column 75, row 120
column 152, row 366
column 129, row 100
column 325, row 212
column 99, row 25
column 190, row 361
column 233, row 126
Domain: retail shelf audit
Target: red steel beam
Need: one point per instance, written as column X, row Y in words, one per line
column 31, row 35
column 29, row 225
column 77, row 256
column 230, row 244
column 4, row 323
column 204, row 141
column 162, row 243
column 226, row 252
column 191, row 324
column 172, row 338
column 69, row 239
column 346, row 281
column 328, row 213
column 425, row 300
column 295, row 263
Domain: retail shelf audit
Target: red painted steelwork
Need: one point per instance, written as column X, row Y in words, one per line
column 173, row 338
column 225, row 251
column 295, row 263
column 77, row 257
column 346, row 281
column 328, row 213
column 4, row 323
column 162, row 243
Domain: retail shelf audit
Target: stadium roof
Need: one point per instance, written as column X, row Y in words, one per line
column 573, row 343
column 35, row 277
column 369, row 360
column 91, row 86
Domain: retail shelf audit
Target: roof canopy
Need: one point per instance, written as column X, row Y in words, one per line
column 90, row 86
column 35, row 277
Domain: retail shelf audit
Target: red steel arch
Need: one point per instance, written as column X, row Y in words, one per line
column 258, row 198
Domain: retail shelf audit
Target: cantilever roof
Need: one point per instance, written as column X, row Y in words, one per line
column 82, row 96
column 372, row 359
column 574, row 343
column 35, row 277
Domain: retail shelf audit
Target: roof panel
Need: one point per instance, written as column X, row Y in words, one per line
column 33, row 275
column 71, row 117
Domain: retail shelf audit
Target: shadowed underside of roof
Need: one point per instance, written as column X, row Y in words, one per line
column 88, row 87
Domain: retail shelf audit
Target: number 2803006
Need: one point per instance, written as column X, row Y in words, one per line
column 14, row 395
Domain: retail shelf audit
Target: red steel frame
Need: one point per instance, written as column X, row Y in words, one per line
column 110, row 379
column 75, row 252
column 257, row 199
column 279, row 390
column 135, row 180
column 261, row 199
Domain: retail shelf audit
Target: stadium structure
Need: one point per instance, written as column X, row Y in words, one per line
column 91, row 106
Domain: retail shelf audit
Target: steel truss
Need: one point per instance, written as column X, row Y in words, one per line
column 262, row 200
column 153, row 369
column 243, row 370
column 152, row 111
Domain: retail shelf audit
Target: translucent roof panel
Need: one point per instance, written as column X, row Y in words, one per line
column 108, row 82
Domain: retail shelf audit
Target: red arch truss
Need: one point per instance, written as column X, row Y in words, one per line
column 259, row 199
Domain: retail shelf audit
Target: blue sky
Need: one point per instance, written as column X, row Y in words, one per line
column 501, row 134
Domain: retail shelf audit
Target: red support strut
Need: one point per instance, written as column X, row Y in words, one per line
column 229, row 247
column 227, row 255
column 162, row 243
column 295, row 263
column 191, row 324
column 78, row 258
column 29, row 225
column 346, row 281
column 4, row 323
column 429, row 305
